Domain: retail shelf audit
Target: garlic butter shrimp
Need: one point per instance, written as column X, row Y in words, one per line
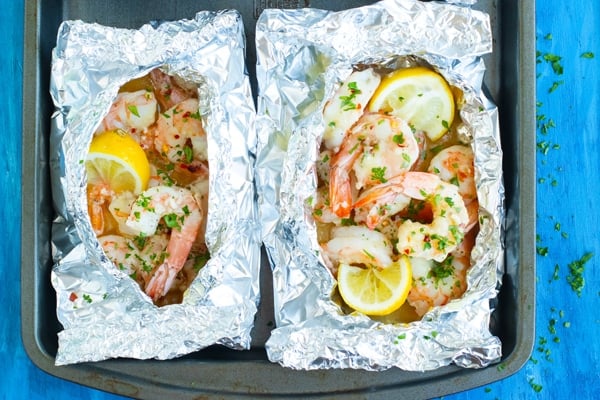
column 170, row 90
column 321, row 210
column 380, row 202
column 356, row 245
column 455, row 164
column 137, row 257
column 432, row 240
column 98, row 196
column 436, row 283
column 181, row 213
column 347, row 105
column 120, row 208
column 378, row 147
column 445, row 232
column 179, row 135
column 122, row 252
column 132, row 112
column 200, row 190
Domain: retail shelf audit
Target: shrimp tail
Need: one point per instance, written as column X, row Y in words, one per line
column 340, row 193
column 161, row 281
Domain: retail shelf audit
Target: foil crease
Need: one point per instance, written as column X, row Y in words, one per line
column 302, row 56
column 103, row 312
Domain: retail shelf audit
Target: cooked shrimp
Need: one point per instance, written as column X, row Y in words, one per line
column 136, row 257
column 323, row 165
column 357, row 245
column 179, row 209
column 98, row 196
column 436, row 283
column 122, row 252
column 120, row 207
column 432, row 240
column 132, row 112
column 455, row 164
column 322, row 211
column 444, row 233
column 170, row 90
column 378, row 147
column 179, row 135
column 200, row 190
column 347, row 105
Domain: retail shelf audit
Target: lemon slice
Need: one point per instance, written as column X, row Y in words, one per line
column 117, row 160
column 375, row 291
column 419, row 96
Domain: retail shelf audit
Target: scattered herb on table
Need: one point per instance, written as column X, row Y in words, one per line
column 535, row 386
column 576, row 269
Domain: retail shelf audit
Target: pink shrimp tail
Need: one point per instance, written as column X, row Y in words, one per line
column 340, row 193
column 162, row 280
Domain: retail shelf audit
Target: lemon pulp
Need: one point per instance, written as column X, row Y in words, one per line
column 418, row 95
column 375, row 291
column 115, row 159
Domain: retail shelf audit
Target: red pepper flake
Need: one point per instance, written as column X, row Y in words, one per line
column 187, row 114
column 73, row 296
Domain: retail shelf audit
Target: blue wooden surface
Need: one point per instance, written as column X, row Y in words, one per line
column 567, row 352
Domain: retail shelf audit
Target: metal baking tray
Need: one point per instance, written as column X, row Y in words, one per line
column 224, row 373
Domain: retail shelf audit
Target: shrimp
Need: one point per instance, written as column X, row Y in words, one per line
column 200, row 191
column 97, row 197
column 321, row 210
column 121, row 251
column 432, row 240
column 136, row 257
column 436, row 283
column 133, row 112
column 179, row 135
column 181, row 213
column 120, row 207
column 357, row 245
column 455, row 164
column 379, row 147
column 347, row 105
column 450, row 218
column 169, row 90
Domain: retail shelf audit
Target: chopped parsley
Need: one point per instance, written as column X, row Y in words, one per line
column 134, row 110
column 378, row 174
column 172, row 221
column 576, row 269
column 398, row 139
column 348, row 101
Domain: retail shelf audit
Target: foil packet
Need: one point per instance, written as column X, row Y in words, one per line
column 103, row 312
column 303, row 56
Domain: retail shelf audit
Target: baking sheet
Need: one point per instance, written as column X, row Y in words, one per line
column 510, row 80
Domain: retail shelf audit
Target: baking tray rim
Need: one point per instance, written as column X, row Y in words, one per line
column 510, row 364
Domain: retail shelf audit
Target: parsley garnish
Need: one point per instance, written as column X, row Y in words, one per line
column 378, row 174
column 171, row 221
column 575, row 277
column 134, row 110
column 398, row 139
column 348, row 101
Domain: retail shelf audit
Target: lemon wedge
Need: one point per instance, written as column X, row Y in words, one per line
column 375, row 291
column 118, row 161
column 418, row 95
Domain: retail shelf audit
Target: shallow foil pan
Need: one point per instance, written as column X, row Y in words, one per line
column 223, row 373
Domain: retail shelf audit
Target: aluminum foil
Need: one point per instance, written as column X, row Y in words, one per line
column 303, row 55
column 103, row 311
